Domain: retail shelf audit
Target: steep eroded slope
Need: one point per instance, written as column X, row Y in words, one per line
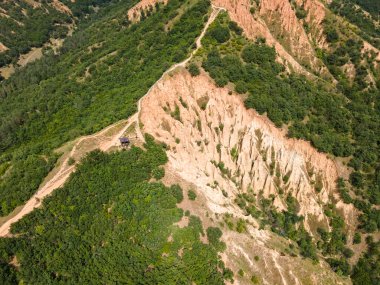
column 222, row 149
column 216, row 143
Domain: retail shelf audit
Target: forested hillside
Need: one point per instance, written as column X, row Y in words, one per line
column 102, row 71
column 368, row 24
column 344, row 122
column 371, row 6
column 102, row 228
column 121, row 216
column 28, row 24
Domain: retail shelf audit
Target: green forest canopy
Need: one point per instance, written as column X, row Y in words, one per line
column 51, row 101
column 26, row 26
column 102, row 228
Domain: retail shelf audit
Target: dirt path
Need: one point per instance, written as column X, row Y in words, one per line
column 213, row 15
column 65, row 169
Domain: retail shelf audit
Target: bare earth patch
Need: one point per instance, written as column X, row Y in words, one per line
column 135, row 12
column 3, row 47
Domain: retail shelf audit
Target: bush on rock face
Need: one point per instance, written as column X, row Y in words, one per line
column 194, row 69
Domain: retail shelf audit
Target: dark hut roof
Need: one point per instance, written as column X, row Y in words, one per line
column 124, row 140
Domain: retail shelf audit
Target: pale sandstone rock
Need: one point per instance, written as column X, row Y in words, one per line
column 135, row 12
column 3, row 48
column 315, row 16
column 227, row 123
column 61, row 7
column 239, row 12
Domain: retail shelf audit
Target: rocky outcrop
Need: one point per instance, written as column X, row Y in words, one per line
column 316, row 12
column 288, row 30
column 262, row 255
column 33, row 3
column 276, row 21
column 59, row 6
column 3, row 48
column 135, row 12
column 367, row 47
column 219, row 145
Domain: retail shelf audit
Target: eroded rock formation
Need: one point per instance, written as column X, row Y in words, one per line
column 276, row 21
column 219, row 145
column 135, row 12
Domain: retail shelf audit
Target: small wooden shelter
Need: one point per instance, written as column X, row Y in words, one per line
column 124, row 141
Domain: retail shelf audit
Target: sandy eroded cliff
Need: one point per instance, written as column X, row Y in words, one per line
column 204, row 126
column 217, row 144
column 276, row 21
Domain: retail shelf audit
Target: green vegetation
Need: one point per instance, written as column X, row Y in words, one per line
column 362, row 108
column 27, row 26
column 192, row 195
column 343, row 121
column 25, row 176
column 177, row 192
column 241, row 226
column 235, row 28
column 367, row 270
column 255, row 279
column 37, row 27
column 372, row 7
column 357, row 238
column 158, row 173
column 234, row 154
column 176, row 113
column 194, row 69
column 368, row 28
column 219, row 33
column 333, row 244
column 287, row 223
column 100, row 73
column 213, row 236
column 101, row 227
column 301, row 13
column 71, row 161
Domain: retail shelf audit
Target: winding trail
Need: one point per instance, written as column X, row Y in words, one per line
column 65, row 169
column 63, row 174
column 213, row 15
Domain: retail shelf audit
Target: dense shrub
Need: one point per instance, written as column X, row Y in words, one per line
column 27, row 26
column 194, row 69
column 213, row 236
column 177, row 192
column 258, row 54
column 233, row 26
column 219, row 33
column 366, row 271
column 191, row 194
